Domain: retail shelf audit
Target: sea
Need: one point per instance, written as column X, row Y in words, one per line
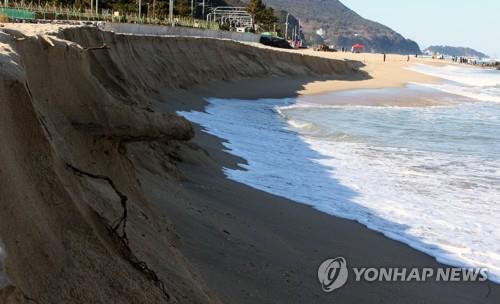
column 426, row 176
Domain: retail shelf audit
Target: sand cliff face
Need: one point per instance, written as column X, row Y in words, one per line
column 75, row 222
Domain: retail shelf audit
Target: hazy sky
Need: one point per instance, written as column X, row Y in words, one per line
column 474, row 24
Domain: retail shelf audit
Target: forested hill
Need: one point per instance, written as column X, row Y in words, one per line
column 341, row 26
column 344, row 27
column 455, row 51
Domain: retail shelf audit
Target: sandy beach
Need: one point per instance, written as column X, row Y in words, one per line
column 109, row 196
column 392, row 73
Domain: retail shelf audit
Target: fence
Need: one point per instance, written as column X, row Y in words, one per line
column 14, row 13
column 127, row 23
column 49, row 12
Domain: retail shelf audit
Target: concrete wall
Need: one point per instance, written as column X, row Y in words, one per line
column 159, row 30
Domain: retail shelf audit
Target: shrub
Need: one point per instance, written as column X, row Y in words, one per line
column 4, row 18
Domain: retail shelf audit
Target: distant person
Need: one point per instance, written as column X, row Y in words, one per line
column 385, row 56
column 408, row 59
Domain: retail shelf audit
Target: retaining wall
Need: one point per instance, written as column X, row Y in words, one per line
column 159, row 30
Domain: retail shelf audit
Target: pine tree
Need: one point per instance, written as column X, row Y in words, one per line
column 255, row 7
column 262, row 15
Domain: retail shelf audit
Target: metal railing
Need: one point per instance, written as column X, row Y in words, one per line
column 235, row 16
column 48, row 13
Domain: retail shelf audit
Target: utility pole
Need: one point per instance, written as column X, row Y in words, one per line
column 299, row 38
column 286, row 26
column 192, row 9
column 300, row 27
column 171, row 10
column 140, row 9
column 203, row 10
column 96, row 7
column 91, row 5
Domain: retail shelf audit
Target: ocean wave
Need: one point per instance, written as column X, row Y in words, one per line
column 489, row 94
column 477, row 77
column 310, row 105
column 475, row 83
column 303, row 126
column 392, row 170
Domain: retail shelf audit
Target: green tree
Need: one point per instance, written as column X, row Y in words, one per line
column 254, row 7
column 267, row 19
column 183, row 7
column 262, row 15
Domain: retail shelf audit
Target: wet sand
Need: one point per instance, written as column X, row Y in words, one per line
column 408, row 96
column 253, row 247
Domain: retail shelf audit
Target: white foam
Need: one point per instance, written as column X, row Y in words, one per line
column 461, row 74
column 444, row 205
column 491, row 94
column 446, row 213
column 474, row 83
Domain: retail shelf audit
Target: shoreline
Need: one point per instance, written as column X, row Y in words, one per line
column 124, row 201
column 412, row 95
column 394, row 73
column 262, row 222
column 295, row 216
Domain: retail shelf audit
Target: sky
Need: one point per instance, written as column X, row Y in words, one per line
column 474, row 24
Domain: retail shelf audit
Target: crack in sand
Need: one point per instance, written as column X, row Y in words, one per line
column 124, row 246
column 122, row 221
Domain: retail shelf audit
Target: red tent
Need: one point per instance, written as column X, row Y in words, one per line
column 358, row 46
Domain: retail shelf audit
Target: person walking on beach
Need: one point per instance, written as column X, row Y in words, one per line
column 408, row 59
column 385, row 56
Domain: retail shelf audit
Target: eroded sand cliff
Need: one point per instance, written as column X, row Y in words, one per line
column 78, row 118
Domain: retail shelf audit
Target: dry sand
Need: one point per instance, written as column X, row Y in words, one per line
column 392, row 73
column 108, row 197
